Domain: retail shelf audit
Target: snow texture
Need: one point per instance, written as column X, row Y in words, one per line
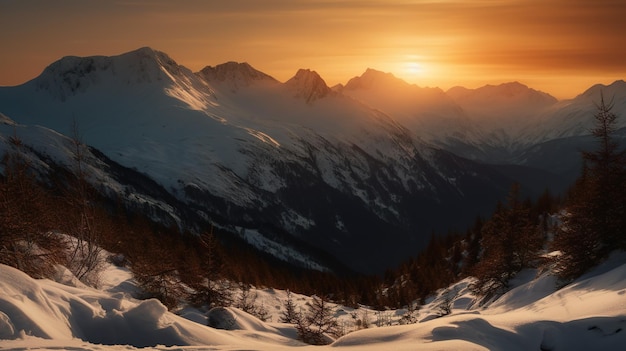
column 587, row 314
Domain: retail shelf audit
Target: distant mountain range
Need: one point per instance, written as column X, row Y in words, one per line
column 363, row 172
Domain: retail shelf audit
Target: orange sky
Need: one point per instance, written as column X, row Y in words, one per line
column 558, row 46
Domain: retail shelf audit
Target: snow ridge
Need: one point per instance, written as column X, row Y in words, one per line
column 309, row 85
column 236, row 74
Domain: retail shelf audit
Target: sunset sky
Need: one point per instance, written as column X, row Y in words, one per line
column 558, row 46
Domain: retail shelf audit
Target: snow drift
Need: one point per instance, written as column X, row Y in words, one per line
column 587, row 314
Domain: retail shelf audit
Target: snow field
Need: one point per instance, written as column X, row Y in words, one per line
column 587, row 314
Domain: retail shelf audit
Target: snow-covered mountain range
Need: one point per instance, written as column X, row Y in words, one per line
column 363, row 171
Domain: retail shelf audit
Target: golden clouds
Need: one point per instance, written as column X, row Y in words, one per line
column 453, row 42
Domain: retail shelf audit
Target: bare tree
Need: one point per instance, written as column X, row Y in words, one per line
column 25, row 240
column 83, row 224
column 412, row 314
column 444, row 305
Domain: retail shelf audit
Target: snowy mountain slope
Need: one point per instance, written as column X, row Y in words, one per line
column 235, row 75
column 501, row 113
column 560, row 134
column 127, row 106
column 535, row 128
column 588, row 314
column 333, row 168
column 508, row 123
column 345, row 144
column 505, row 106
column 428, row 113
column 574, row 117
column 482, row 124
column 308, row 85
column 47, row 151
column 240, row 149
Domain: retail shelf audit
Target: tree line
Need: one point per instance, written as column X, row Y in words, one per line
column 60, row 219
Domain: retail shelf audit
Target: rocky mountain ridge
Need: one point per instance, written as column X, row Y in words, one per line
column 335, row 170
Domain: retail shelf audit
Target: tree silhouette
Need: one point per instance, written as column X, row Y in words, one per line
column 606, row 176
column 289, row 315
column 211, row 289
column 595, row 222
column 318, row 322
column 510, row 242
column 25, row 222
column 83, row 221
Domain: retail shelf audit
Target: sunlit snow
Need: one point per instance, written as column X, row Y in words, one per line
column 587, row 314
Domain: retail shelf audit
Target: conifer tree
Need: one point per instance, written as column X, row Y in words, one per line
column 289, row 315
column 317, row 322
column 156, row 268
column 210, row 288
column 606, row 180
column 595, row 222
column 510, row 242
column 472, row 240
column 578, row 244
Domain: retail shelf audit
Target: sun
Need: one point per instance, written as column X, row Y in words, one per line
column 411, row 70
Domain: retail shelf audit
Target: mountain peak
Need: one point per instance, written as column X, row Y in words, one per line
column 371, row 73
column 72, row 75
column 149, row 54
column 238, row 74
column 146, row 51
column 308, row 85
column 374, row 78
column 615, row 89
column 511, row 91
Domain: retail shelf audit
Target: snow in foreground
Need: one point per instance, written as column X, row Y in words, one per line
column 42, row 314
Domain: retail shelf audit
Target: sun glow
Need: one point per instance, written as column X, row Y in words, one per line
column 411, row 69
